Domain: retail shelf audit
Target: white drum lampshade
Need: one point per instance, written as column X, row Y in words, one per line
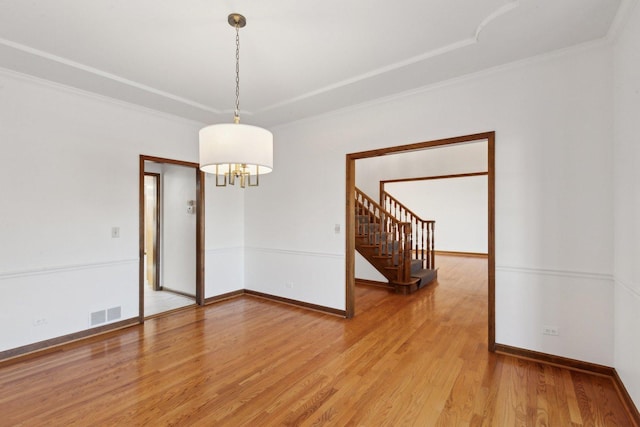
column 224, row 145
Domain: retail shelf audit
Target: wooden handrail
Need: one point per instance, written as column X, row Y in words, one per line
column 422, row 230
column 387, row 199
column 391, row 236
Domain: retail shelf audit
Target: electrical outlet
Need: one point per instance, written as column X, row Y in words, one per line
column 336, row 228
column 550, row 330
column 115, row 232
column 288, row 285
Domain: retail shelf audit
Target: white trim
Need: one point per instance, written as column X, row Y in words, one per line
column 223, row 250
column 104, row 74
column 556, row 273
column 377, row 72
column 495, row 14
column 296, row 253
column 400, row 64
column 621, row 18
column 533, row 60
column 17, row 75
column 627, row 287
column 65, row 268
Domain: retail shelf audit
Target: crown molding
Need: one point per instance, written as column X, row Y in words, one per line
column 17, row 75
column 622, row 16
column 460, row 44
column 521, row 63
column 95, row 71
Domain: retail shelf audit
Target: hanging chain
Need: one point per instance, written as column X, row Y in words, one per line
column 236, row 115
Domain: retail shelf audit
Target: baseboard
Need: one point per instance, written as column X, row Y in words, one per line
column 376, row 283
column 577, row 365
column 228, row 295
column 320, row 308
column 56, row 344
column 630, row 406
column 550, row 359
column 53, row 345
column 465, row 254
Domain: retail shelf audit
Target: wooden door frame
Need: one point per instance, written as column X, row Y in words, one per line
column 199, row 228
column 350, row 216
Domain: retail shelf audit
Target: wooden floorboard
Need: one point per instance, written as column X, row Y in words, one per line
column 418, row 359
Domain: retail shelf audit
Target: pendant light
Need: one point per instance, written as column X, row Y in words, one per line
column 235, row 151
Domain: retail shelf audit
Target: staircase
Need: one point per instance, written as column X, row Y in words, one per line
column 398, row 243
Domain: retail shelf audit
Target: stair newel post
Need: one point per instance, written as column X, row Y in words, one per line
column 393, row 233
column 378, row 230
column 415, row 231
column 398, row 255
column 358, row 212
column 407, row 252
column 423, row 244
column 432, row 255
column 365, row 208
column 433, row 247
column 390, row 239
column 428, row 244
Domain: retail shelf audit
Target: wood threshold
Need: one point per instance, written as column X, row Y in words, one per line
column 59, row 343
column 173, row 310
column 296, row 303
column 577, row 365
column 464, row 254
column 174, row 291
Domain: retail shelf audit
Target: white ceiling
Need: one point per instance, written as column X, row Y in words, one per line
column 297, row 59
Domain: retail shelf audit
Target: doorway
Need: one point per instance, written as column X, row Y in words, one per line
column 350, row 215
column 152, row 230
column 171, row 235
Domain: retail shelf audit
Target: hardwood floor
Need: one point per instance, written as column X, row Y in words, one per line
column 417, row 359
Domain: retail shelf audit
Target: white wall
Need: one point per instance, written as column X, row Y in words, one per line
column 178, row 237
column 224, row 238
column 458, row 205
column 68, row 174
column 552, row 118
column 627, row 204
column 444, row 160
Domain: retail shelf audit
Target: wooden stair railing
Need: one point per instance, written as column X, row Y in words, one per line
column 389, row 238
column 422, row 230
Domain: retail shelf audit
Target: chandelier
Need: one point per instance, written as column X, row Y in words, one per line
column 235, row 151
